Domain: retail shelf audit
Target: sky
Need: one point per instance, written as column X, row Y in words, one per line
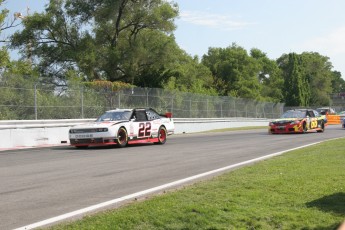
column 275, row 27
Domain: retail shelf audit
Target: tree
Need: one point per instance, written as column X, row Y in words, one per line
column 235, row 73
column 104, row 40
column 189, row 75
column 338, row 83
column 318, row 70
column 153, row 59
column 4, row 57
column 294, row 80
column 5, row 22
column 17, row 82
column 270, row 77
column 308, row 79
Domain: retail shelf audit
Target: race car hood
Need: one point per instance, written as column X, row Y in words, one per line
column 103, row 124
column 284, row 120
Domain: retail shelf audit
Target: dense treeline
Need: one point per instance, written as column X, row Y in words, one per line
column 132, row 41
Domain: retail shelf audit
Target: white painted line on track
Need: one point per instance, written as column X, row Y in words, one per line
column 151, row 190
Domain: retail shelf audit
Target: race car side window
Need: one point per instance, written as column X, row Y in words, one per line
column 151, row 115
column 307, row 114
column 140, row 115
column 311, row 114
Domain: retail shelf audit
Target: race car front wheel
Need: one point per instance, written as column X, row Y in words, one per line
column 305, row 127
column 122, row 137
column 322, row 128
column 162, row 135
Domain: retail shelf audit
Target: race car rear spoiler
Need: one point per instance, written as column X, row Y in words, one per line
column 168, row 115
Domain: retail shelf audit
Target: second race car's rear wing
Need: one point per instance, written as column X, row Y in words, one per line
column 168, row 115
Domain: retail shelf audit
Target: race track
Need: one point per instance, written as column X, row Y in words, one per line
column 37, row 184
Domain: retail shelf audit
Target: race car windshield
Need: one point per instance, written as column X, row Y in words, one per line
column 115, row 116
column 293, row 114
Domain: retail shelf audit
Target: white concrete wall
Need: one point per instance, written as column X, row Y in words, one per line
column 205, row 124
column 15, row 134
column 27, row 137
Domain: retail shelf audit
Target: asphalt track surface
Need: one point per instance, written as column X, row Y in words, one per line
column 38, row 184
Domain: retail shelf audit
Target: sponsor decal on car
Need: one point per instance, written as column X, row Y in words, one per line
column 83, row 136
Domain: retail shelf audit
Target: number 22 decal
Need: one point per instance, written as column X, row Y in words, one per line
column 144, row 129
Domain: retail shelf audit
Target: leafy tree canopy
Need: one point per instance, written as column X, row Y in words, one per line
column 105, row 40
column 270, row 77
column 131, row 42
column 307, row 79
column 235, row 73
column 338, row 83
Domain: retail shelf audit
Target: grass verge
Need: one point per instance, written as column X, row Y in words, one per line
column 302, row 189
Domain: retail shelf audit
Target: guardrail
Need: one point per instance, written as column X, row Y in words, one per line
column 31, row 133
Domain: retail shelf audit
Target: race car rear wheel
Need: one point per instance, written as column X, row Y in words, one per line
column 322, row 128
column 162, row 135
column 122, row 137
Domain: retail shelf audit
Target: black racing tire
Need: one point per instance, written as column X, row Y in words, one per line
column 322, row 128
column 122, row 137
column 162, row 135
column 305, row 127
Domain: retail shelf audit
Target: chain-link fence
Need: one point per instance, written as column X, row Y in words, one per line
column 73, row 102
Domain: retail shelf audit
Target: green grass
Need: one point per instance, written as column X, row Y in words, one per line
column 303, row 189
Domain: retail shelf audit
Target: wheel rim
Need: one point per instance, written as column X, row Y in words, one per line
column 122, row 136
column 162, row 135
column 304, row 127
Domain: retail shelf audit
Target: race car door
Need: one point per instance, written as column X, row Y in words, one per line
column 140, row 126
column 313, row 120
column 155, row 120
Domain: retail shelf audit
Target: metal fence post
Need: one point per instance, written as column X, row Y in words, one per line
column 190, row 107
column 147, row 96
column 82, row 102
column 119, row 98
column 35, row 99
column 147, row 99
column 221, row 108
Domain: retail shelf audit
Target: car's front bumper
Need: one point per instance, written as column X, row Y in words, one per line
column 92, row 141
column 286, row 128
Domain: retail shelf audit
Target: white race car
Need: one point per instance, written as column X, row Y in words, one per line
column 123, row 126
